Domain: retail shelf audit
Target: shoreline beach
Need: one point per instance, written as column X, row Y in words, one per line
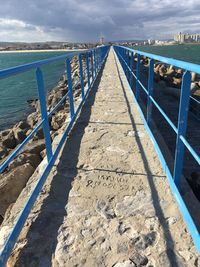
column 40, row 51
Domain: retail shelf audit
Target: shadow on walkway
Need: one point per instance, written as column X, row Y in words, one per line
column 44, row 230
column 158, row 210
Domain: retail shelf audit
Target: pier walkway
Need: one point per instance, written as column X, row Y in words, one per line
column 107, row 201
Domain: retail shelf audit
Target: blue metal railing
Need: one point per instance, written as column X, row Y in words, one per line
column 94, row 60
column 126, row 58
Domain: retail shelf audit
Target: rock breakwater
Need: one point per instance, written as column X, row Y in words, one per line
column 170, row 78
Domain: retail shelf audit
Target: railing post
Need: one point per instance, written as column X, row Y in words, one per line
column 131, row 67
column 70, row 89
column 95, row 62
column 88, row 69
column 81, row 76
column 92, row 64
column 96, row 67
column 138, row 77
column 43, row 108
column 100, row 56
column 150, row 91
column 182, row 126
column 129, row 64
column 126, row 59
column 123, row 54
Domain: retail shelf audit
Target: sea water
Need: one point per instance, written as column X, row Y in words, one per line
column 185, row 52
column 16, row 90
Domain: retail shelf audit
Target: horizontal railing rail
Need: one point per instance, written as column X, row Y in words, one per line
column 126, row 57
column 26, row 67
column 94, row 60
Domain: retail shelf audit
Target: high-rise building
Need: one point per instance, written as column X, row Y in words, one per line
column 102, row 40
column 186, row 38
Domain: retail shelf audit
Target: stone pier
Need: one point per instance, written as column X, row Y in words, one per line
column 107, row 202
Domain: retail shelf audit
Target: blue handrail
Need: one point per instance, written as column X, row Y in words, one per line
column 95, row 59
column 174, row 178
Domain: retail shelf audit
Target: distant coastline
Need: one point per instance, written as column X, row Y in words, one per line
column 173, row 44
column 40, row 50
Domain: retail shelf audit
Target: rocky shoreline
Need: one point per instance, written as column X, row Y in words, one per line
column 23, row 166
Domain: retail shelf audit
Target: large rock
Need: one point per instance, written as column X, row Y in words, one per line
column 77, row 93
column 32, row 119
column 3, row 152
column 9, row 140
column 157, row 67
column 32, row 102
column 170, row 71
column 162, row 70
column 177, row 82
column 35, row 147
column 19, row 134
column 4, row 133
column 194, row 76
column 193, row 87
column 33, row 159
column 23, row 125
column 58, row 120
column 11, row 185
column 56, row 95
column 40, row 134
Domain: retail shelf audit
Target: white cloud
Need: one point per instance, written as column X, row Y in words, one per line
column 17, row 30
column 12, row 23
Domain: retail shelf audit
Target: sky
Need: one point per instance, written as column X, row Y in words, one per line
column 88, row 20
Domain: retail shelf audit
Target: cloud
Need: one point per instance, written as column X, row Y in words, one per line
column 17, row 30
column 77, row 20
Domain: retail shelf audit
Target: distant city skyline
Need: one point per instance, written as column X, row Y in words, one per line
column 186, row 38
column 87, row 21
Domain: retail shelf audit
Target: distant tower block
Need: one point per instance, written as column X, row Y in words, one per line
column 101, row 40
